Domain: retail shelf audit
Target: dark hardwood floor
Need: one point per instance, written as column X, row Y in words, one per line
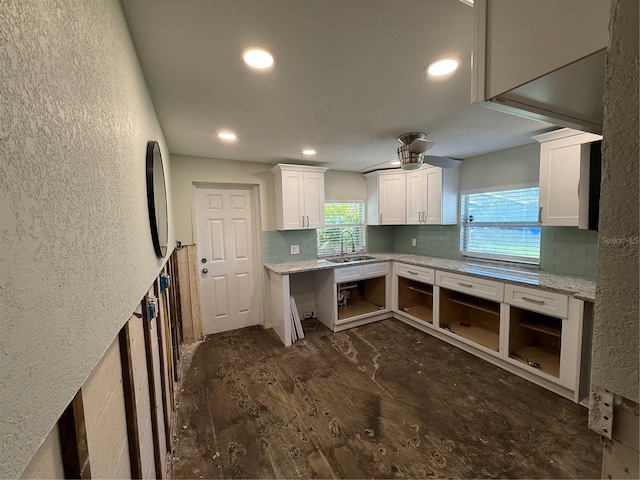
column 379, row 401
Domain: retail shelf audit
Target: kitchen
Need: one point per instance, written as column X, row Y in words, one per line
column 486, row 169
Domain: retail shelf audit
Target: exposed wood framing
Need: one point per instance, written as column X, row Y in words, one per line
column 73, row 440
column 189, row 293
column 160, row 326
column 176, row 320
column 152, row 389
column 131, row 409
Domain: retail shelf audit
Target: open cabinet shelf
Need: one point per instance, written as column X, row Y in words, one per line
column 535, row 340
column 474, row 319
column 361, row 297
column 415, row 299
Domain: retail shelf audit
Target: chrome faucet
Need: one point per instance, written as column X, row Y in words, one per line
column 353, row 243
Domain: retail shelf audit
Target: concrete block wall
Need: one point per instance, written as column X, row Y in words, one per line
column 143, row 400
column 105, row 418
column 105, row 413
column 47, row 462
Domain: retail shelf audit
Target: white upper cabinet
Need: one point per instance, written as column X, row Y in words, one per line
column 299, row 191
column 386, row 198
column 432, row 196
column 542, row 59
column 563, row 186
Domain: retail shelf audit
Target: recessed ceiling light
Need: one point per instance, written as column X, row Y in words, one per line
column 258, row 58
column 442, row 67
column 309, row 151
column 395, row 162
column 227, row 135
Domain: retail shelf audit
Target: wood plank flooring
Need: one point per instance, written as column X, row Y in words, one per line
column 378, row 401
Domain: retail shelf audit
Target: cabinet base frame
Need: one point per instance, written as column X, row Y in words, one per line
column 348, row 323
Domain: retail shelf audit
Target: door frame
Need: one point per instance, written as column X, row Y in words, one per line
column 254, row 193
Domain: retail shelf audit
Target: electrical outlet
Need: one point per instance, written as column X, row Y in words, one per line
column 413, row 242
column 307, row 315
column 295, row 249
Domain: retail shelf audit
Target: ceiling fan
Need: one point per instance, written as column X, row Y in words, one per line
column 411, row 154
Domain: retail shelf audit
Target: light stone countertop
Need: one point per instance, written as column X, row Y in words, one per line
column 580, row 288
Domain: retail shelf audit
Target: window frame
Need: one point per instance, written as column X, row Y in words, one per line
column 363, row 225
column 497, row 256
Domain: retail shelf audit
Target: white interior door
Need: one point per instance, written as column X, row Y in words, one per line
column 227, row 259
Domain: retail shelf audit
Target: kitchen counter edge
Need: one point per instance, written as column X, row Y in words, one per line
column 580, row 288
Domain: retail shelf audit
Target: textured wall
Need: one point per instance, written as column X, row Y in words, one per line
column 75, row 117
column 616, row 328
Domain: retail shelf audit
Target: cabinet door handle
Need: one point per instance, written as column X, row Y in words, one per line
column 380, row 219
column 468, row 285
column 540, row 215
column 307, row 220
column 412, row 272
column 302, row 221
column 533, row 300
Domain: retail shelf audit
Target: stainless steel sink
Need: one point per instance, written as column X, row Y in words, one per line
column 349, row 259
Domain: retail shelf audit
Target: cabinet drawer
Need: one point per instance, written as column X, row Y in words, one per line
column 375, row 269
column 555, row 304
column 356, row 272
column 471, row 285
column 425, row 275
column 345, row 274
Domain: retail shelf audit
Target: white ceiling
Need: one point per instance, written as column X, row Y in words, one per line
column 348, row 79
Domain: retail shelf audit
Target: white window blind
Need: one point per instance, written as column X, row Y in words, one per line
column 340, row 217
column 501, row 224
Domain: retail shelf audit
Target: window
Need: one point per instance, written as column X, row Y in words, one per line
column 501, row 225
column 340, row 217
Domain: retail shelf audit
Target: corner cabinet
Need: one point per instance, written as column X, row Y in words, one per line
column 564, row 170
column 299, row 192
column 432, row 196
column 386, row 197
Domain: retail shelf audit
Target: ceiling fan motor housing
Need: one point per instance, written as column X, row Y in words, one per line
column 409, row 160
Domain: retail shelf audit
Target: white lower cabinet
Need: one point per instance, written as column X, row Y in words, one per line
column 533, row 333
column 470, row 310
column 544, row 332
column 354, row 295
column 413, row 292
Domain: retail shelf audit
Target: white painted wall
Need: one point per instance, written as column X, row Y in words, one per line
column 77, row 257
column 616, row 330
column 105, row 418
column 512, row 166
column 339, row 185
column 187, row 170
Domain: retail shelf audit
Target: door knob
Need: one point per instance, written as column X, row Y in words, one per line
column 205, row 271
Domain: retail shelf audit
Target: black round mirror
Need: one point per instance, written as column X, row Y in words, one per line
column 157, row 199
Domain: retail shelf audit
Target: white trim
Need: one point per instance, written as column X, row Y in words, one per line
column 500, row 188
column 496, row 256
